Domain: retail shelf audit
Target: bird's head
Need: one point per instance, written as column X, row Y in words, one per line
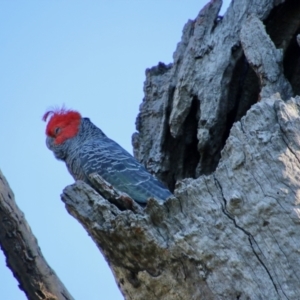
column 63, row 125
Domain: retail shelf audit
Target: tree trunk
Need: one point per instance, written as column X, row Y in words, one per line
column 231, row 230
column 221, row 128
column 230, row 235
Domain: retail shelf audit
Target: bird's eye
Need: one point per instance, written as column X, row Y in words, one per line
column 56, row 131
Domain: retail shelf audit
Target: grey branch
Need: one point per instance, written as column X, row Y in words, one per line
column 23, row 255
column 122, row 200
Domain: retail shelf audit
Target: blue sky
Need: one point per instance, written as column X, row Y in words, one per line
column 90, row 56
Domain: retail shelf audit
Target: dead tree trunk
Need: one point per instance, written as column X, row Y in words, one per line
column 219, row 126
column 231, row 231
column 232, row 234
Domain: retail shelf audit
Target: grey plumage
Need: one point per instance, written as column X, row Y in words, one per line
column 91, row 151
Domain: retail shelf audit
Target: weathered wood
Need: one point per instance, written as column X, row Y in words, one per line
column 191, row 104
column 234, row 234
column 23, row 255
column 232, row 229
column 120, row 199
column 264, row 58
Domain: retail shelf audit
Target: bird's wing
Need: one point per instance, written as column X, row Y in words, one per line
column 121, row 170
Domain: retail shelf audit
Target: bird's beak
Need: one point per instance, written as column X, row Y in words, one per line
column 49, row 142
column 57, row 150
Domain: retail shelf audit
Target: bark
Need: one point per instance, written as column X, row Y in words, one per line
column 219, row 71
column 23, row 255
column 233, row 234
column 219, row 126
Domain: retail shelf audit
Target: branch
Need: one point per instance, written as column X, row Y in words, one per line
column 23, row 255
column 120, row 199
